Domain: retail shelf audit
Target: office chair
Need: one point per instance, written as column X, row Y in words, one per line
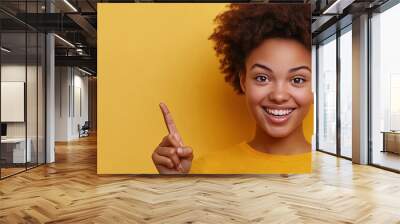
column 84, row 130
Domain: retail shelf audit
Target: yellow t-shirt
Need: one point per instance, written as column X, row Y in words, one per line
column 243, row 159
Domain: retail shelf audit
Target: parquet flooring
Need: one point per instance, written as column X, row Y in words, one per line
column 10, row 171
column 70, row 191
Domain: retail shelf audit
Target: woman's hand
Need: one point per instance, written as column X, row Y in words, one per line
column 171, row 156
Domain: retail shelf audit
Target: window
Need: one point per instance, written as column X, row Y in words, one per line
column 385, row 88
column 346, row 92
column 327, row 95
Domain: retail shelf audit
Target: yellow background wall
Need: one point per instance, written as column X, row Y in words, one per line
column 151, row 53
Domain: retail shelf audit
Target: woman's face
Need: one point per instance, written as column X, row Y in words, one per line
column 277, row 85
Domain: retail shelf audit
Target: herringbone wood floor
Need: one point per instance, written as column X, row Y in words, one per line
column 69, row 191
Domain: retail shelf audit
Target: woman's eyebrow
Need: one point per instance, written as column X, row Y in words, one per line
column 261, row 66
column 300, row 67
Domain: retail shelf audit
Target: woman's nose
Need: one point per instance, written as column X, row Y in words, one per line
column 279, row 94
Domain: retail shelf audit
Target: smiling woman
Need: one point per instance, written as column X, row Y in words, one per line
column 277, row 87
column 265, row 54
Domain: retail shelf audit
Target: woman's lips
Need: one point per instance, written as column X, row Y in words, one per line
column 278, row 116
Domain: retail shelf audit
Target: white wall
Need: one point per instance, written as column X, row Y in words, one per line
column 9, row 73
column 81, row 102
column 71, row 94
column 12, row 73
column 62, row 78
column 13, row 101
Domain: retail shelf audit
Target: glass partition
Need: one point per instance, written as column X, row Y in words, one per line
column 31, row 100
column 32, row 90
column 14, row 153
column 22, row 77
column 41, row 107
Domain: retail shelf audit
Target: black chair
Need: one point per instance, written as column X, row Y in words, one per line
column 84, row 130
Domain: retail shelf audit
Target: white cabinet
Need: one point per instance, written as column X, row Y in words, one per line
column 18, row 149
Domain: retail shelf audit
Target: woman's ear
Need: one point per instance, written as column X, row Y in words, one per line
column 242, row 77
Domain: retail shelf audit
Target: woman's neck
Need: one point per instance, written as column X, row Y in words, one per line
column 295, row 143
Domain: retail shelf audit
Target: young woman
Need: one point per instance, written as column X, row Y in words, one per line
column 265, row 54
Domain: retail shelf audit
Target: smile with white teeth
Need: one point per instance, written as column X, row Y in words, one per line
column 278, row 112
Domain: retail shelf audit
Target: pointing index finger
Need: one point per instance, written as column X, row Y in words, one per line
column 169, row 122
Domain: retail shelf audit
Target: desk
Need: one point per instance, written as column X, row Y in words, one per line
column 391, row 141
column 15, row 148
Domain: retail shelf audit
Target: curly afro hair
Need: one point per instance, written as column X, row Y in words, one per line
column 244, row 27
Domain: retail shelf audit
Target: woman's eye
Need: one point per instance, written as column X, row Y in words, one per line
column 261, row 78
column 298, row 80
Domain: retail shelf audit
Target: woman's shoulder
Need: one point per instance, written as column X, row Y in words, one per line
column 245, row 149
column 242, row 158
